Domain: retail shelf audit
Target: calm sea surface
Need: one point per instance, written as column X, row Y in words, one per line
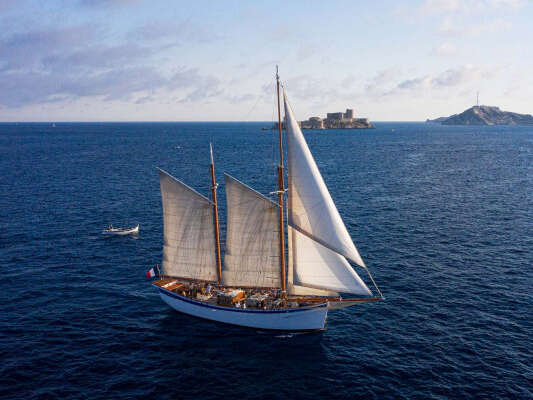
column 443, row 217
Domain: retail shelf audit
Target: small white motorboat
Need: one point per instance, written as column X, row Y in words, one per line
column 110, row 230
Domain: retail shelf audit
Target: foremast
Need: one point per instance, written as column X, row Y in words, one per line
column 281, row 192
column 214, row 186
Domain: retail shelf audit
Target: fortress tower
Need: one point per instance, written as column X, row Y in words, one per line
column 348, row 114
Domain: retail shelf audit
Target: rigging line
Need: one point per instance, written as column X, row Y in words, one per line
column 374, row 282
column 246, row 119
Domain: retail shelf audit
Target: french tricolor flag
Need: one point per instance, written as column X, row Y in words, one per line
column 151, row 273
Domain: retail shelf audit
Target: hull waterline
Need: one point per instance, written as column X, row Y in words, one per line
column 299, row 319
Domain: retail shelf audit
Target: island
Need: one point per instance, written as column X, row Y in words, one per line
column 337, row 120
column 485, row 115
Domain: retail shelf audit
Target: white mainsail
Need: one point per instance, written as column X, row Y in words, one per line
column 319, row 241
column 188, row 231
column 252, row 256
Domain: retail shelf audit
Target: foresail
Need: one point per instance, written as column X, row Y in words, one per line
column 252, row 256
column 188, row 231
column 315, row 266
column 311, row 209
column 294, row 288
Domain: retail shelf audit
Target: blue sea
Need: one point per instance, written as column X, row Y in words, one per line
column 442, row 215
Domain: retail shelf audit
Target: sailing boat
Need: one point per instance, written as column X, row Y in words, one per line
column 256, row 288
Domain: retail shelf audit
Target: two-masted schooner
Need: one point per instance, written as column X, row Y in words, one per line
column 255, row 287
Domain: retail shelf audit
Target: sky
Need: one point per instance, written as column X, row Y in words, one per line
column 135, row 60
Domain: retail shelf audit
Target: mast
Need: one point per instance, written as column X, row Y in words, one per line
column 281, row 191
column 215, row 209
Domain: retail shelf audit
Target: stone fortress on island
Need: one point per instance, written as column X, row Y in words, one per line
column 337, row 120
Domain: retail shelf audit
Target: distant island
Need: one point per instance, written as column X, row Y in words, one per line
column 485, row 115
column 337, row 120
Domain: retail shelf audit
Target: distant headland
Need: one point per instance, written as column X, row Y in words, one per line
column 337, row 120
column 485, row 115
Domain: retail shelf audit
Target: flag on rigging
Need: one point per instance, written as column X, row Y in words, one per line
column 151, row 273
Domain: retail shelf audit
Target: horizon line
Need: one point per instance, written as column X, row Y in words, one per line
column 161, row 121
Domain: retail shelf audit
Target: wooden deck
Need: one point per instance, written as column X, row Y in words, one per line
column 175, row 284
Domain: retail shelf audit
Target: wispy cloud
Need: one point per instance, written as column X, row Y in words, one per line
column 444, row 49
column 177, row 32
column 467, row 17
column 199, row 86
column 432, row 7
column 107, row 3
column 377, row 85
column 63, row 64
column 450, row 26
column 453, row 77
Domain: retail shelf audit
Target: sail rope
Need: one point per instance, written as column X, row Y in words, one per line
column 373, row 282
column 247, row 115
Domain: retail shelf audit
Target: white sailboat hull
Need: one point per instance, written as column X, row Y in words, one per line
column 121, row 232
column 298, row 319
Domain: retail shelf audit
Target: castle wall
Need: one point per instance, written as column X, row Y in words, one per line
column 335, row 116
column 336, row 120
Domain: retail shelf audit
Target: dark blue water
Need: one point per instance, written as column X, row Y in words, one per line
column 443, row 216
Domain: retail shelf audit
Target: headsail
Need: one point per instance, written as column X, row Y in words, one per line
column 188, row 231
column 252, row 244
column 294, row 284
column 316, row 226
column 318, row 267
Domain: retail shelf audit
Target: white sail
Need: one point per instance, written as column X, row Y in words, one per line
column 294, row 285
column 316, row 266
column 252, row 256
column 313, row 215
column 188, row 231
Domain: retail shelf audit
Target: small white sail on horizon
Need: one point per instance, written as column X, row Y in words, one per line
column 252, row 256
column 188, row 231
column 319, row 241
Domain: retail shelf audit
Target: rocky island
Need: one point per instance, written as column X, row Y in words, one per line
column 485, row 115
column 337, row 120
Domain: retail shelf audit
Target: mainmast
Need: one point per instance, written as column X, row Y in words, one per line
column 281, row 191
column 215, row 209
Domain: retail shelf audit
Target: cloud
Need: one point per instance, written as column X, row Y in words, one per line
column 176, row 32
column 200, row 86
column 96, row 57
column 467, row 7
column 144, row 99
column 444, row 49
column 381, row 80
column 108, row 3
column 466, row 17
column 53, row 65
column 306, row 87
column 386, row 85
column 307, row 51
column 26, row 50
column 424, row 82
column 7, row 4
column 453, row 77
column 450, row 26
column 242, row 98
